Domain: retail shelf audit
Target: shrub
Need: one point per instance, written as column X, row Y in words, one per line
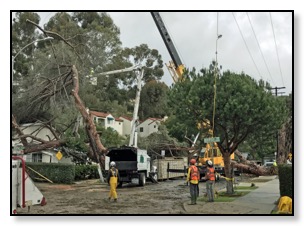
column 57, row 172
column 286, row 180
column 86, row 172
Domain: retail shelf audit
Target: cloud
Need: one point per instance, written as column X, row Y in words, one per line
column 194, row 35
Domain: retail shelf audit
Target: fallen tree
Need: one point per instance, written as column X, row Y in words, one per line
column 68, row 80
column 97, row 150
column 250, row 167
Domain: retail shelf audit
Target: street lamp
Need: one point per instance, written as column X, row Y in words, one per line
column 215, row 75
column 218, row 37
column 14, row 57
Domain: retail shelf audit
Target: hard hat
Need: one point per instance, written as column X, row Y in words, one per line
column 192, row 161
column 209, row 163
column 195, row 155
column 112, row 164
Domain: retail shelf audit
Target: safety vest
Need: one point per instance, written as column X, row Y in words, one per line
column 210, row 174
column 114, row 172
column 193, row 173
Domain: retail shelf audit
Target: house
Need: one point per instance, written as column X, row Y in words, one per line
column 126, row 130
column 107, row 120
column 40, row 131
column 150, row 125
column 48, row 156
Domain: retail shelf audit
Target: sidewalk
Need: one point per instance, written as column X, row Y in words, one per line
column 259, row 201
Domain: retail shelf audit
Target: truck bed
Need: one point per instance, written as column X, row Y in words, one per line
column 126, row 165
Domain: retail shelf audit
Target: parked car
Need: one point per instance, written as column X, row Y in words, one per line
column 268, row 164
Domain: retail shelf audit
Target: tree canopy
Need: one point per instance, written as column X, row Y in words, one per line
column 244, row 107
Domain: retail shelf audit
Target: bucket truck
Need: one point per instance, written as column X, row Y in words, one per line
column 132, row 162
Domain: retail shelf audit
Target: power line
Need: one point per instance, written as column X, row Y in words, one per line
column 246, row 45
column 259, row 47
column 276, row 47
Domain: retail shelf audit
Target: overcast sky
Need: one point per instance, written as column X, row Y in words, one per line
column 258, row 43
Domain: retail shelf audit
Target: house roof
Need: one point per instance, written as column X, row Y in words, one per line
column 155, row 119
column 126, row 117
column 118, row 119
column 99, row 114
column 152, row 119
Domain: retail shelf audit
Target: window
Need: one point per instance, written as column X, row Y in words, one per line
column 141, row 129
column 154, row 126
column 37, row 157
column 110, row 121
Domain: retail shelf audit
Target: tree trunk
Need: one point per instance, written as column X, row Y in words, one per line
column 95, row 144
column 228, row 173
column 41, row 147
column 76, row 127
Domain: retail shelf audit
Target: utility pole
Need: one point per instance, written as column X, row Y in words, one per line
column 276, row 93
column 276, row 90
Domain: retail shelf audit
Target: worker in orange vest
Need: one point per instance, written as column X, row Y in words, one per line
column 193, row 177
column 210, row 180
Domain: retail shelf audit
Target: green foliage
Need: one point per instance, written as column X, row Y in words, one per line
column 244, row 107
column 23, row 33
column 150, row 59
column 224, row 197
column 56, row 172
column 109, row 137
column 77, row 143
column 86, row 172
column 286, row 180
column 114, row 107
column 153, row 100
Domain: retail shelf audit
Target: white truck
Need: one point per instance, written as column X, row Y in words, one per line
column 24, row 191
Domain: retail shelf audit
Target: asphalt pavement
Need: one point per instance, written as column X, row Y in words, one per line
column 257, row 202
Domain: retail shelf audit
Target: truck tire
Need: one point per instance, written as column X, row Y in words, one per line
column 155, row 177
column 119, row 184
column 142, row 179
column 217, row 177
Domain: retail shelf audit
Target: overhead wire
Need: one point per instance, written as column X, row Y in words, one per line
column 246, row 45
column 276, row 47
column 259, row 47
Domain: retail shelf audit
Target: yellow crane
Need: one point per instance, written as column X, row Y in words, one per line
column 176, row 69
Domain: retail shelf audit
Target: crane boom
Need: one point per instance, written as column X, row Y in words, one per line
column 177, row 63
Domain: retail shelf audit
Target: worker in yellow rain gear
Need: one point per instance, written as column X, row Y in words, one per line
column 113, row 180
